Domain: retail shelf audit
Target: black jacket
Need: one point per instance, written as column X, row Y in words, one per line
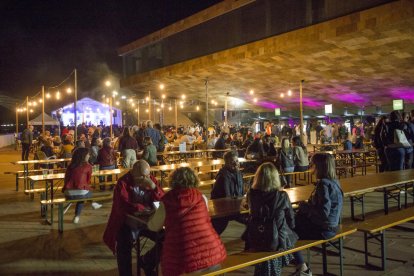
column 285, row 219
column 228, row 184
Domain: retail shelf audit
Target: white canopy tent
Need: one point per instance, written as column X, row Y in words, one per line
column 49, row 121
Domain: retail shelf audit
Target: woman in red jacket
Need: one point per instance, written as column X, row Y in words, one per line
column 77, row 181
column 190, row 243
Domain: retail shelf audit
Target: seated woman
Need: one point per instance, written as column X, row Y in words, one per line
column 300, row 155
column 150, row 152
column 267, row 200
column 106, row 159
column 77, row 181
column 198, row 248
column 318, row 218
column 67, row 147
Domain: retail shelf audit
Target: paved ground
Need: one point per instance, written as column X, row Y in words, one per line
column 30, row 247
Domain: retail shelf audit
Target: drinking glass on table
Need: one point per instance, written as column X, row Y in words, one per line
column 44, row 173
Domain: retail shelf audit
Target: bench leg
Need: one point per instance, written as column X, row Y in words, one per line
column 366, row 248
column 60, row 218
column 385, row 201
column 352, row 208
column 341, row 257
column 43, row 208
column 17, row 182
column 324, row 260
column 383, row 250
column 31, row 188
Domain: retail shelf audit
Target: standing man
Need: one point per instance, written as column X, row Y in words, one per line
column 27, row 140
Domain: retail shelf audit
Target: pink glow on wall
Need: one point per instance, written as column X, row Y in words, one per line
column 405, row 93
column 268, row 105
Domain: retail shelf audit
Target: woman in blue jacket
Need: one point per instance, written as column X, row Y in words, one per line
column 319, row 217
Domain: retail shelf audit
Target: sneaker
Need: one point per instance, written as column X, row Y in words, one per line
column 299, row 272
column 67, row 208
column 96, row 205
column 76, row 220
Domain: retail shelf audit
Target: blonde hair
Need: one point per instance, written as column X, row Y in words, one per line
column 184, row 178
column 266, row 178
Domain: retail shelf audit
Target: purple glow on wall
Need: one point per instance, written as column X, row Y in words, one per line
column 309, row 102
column 268, row 105
column 405, row 93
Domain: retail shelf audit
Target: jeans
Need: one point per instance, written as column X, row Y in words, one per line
column 125, row 240
column 408, row 158
column 395, row 158
column 129, row 158
column 289, row 177
column 79, row 205
column 25, row 151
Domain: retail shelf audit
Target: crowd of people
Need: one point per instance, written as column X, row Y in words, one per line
column 180, row 225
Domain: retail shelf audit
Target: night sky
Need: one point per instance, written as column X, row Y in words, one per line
column 42, row 41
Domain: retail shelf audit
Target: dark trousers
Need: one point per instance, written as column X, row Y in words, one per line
column 220, row 224
column 383, row 159
column 306, row 230
column 125, row 242
column 25, row 151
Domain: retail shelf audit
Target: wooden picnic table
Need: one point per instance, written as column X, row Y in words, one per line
column 49, row 180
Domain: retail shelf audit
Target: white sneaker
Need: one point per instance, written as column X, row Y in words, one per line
column 76, row 220
column 96, row 205
column 67, row 208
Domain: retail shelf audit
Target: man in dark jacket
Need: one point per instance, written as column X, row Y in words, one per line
column 229, row 183
column 220, row 144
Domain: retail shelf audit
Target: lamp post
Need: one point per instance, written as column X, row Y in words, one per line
column 176, row 115
column 17, row 121
column 75, row 103
column 27, row 110
column 43, row 109
column 149, row 105
column 301, row 110
column 110, row 116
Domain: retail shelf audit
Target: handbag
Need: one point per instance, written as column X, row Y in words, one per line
column 262, row 231
column 400, row 140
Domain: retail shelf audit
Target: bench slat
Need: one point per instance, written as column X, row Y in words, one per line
column 386, row 221
column 246, row 258
column 64, row 200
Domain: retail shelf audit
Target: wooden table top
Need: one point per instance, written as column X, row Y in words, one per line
column 57, row 176
column 49, row 161
column 195, row 164
column 191, row 151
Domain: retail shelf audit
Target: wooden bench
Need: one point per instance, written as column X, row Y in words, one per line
column 247, row 258
column 62, row 201
column 20, row 174
column 375, row 229
column 307, row 176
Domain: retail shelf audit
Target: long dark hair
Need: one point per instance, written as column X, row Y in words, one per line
column 78, row 159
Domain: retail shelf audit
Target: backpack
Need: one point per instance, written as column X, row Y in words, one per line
column 262, row 232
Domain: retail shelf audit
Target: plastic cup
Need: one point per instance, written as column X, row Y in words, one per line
column 44, row 172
